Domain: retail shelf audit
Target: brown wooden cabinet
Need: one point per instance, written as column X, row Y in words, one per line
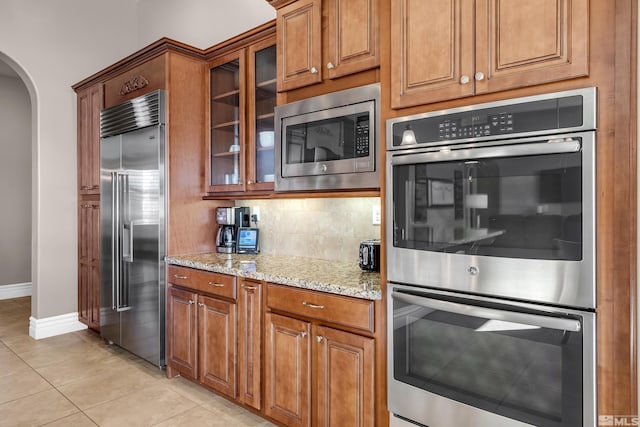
column 446, row 50
column 311, row 365
column 242, row 88
column 217, row 344
column 89, row 263
column 90, row 101
column 345, row 373
column 350, row 40
column 250, row 343
column 202, row 328
column 182, row 332
column 288, row 370
column 180, row 71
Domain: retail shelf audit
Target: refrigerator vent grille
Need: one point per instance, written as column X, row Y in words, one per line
column 137, row 113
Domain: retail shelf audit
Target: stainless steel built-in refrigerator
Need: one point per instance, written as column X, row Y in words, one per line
column 133, row 225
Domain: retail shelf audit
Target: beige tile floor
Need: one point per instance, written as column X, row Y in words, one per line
column 76, row 380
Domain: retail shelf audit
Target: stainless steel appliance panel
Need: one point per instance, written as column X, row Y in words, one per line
column 133, row 226
column 143, row 240
column 476, row 362
column 342, row 154
column 110, row 161
column 557, row 281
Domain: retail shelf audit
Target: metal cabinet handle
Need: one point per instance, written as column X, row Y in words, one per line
column 200, row 304
column 313, row 70
column 308, row 304
column 217, row 285
column 330, row 66
column 464, row 79
column 479, row 76
column 178, row 276
column 319, row 338
column 251, row 288
column 303, row 334
column 191, row 302
column 249, row 182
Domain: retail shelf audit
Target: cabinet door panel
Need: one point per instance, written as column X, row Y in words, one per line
column 527, row 43
column 352, row 36
column 182, row 332
column 299, row 43
column 288, row 366
column 217, row 323
column 227, row 119
column 431, row 49
column 249, row 354
column 89, row 263
column 345, row 379
column 94, row 256
column 90, row 102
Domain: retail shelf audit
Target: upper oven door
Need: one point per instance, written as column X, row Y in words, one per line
column 332, row 141
column 515, row 219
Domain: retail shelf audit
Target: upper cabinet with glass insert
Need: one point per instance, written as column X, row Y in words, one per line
column 242, row 102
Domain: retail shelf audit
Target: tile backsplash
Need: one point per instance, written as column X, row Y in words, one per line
column 322, row 228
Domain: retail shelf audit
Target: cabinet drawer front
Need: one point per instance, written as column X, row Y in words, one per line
column 346, row 311
column 205, row 281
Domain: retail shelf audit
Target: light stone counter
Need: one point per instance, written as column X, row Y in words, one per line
column 342, row 278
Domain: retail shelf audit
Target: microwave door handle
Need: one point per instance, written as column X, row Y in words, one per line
column 551, row 146
column 490, row 313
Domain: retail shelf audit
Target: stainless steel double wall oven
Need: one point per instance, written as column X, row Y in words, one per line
column 491, row 264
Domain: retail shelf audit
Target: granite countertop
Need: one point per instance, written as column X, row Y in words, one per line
column 342, row 278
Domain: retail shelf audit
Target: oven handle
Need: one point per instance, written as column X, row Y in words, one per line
column 551, row 146
column 490, row 313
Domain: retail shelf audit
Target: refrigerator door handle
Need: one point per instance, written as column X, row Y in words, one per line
column 122, row 291
column 127, row 223
column 115, row 264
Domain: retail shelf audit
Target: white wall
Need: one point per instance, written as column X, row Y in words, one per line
column 54, row 44
column 15, row 182
column 200, row 23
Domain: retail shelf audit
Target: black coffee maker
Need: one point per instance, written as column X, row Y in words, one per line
column 229, row 220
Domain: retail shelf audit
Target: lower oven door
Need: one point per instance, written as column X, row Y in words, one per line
column 455, row 360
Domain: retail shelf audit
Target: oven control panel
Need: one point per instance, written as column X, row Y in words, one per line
column 543, row 114
column 475, row 126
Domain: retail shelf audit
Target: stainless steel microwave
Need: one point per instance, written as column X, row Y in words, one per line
column 328, row 142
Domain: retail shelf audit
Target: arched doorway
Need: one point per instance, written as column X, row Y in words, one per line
column 17, row 153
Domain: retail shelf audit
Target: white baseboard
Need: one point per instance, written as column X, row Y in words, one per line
column 54, row 325
column 15, row 291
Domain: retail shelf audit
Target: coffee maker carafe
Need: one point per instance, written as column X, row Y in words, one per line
column 229, row 220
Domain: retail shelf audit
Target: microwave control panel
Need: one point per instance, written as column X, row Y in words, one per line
column 362, row 137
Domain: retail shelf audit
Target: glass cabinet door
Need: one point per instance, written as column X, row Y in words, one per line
column 262, row 75
column 227, row 123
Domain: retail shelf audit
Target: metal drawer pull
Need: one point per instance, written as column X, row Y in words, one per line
column 303, row 334
column 200, row 304
column 251, row 288
column 217, row 285
column 319, row 338
column 191, row 302
column 178, row 276
column 308, row 304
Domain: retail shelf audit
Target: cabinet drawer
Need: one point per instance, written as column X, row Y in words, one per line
column 346, row 311
column 204, row 281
